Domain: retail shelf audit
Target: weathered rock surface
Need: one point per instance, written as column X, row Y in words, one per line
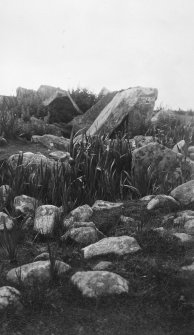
column 119, row 246
column 52, row 141
column 5, row 221
column 106, row 214
column 83, row 235
column 184, row 193
column 25, row 204
column 36, row 273
column 136, row 104
column 94, row 284
column 10, row 298
column 141, row 140
column 180, row 147
column 46, row 219
column 103, row 266
column 183, row 237
column 162, row 201
column 61, row 156
column 79, row 214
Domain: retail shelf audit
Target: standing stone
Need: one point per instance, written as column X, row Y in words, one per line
column 46, row 219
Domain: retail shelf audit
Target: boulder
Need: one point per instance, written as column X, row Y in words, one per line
column 184, row 193
column 183, row 237
column 134, row 104
column 79, row 214
column 118, row 246
column 10, row 298
column 162, row 201
column 180, row 147
column 25, row 204
column 106, row 214
column 83, row 235
column 36, row 273
column 52, row 141
column 5, row 221
column 94, row 284
column 46, row 219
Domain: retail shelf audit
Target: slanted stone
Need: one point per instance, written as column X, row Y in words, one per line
column 95, row 284
column 60, row 156
column 121, row 245
column 36, row 273
column 46, row 219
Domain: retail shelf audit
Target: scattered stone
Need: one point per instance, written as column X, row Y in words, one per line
column 94, row 284
column 106, row 214
column 189, row 226
column 191, row 149
column 3, row 142
column 180, row 147
column 36, row 273
column 141, row 140
column 184, row 238
column 102, row 266
column 46, row 219
column 52, row 141
column 184, row 193
column 5, row 221
column 44, row 256
column 127, row 220
column 162, row 201
column 61, row 156
column 25, row 204
column 119, row 246
column 189, row 268
column 10, row 298
column 83, row 235
column 148, row 197
column 79, row 214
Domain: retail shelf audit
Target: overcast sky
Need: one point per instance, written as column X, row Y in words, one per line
column 96, row 43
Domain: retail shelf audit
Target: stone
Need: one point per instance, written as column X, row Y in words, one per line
column 79, row 214
column 81, row 224
column 191, row 149
column 136, row 104
column 189, row 268
column 52, row 141
column 119, row 246
column 148, row 197
column 5, row 220
column 83, row 235
column 162, row 201
column 36, row 273
column 44, row 256
column 46, row 219
column 61, row 156
column 5, row 192
column 191, row 156
column 127, row 220
column 189, row 226
column 183, row 237
column 25, row 204
column 3, row 142
column 141, row 140
column 161, row 159
column 103, row 265
column 184, row 193
column 106, row 214
column 180, row 147
column 93, row 284
column 10, row 298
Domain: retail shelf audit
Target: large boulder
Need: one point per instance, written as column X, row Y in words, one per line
column 119, row 246
column 36, row 273
column 94, row 284
column 184, row 193
column 134, row 104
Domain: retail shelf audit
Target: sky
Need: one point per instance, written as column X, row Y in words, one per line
column 99, row 43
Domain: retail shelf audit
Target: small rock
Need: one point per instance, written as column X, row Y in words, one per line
column 79, row 214
column 106, row 214
column 94, row 284
column 120, row 245
column 189, row 226
column 191, row 149
column 25, row 204
column 5, row 220
column 163, row 201
column 61, row 156
column 103, row 265
column 44, row 256
column 46, row 219
column 83, row 235
column 3, row 142
column 10, row 298
column 148, row 197
column 36, row 273
column 184, row 193
column 184, row 238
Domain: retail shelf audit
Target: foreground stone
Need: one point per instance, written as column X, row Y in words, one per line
column 93, row 284
column 10, row 298
column 162, row 201
column 25, row 204
column 136, row 104
column 36, row 273
column 119, row 246
column 106, row 214
column 83, row 235
column 5, row 221
column 46, row 219
column 52, row 141
column 79, row 214
column 184, row 193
